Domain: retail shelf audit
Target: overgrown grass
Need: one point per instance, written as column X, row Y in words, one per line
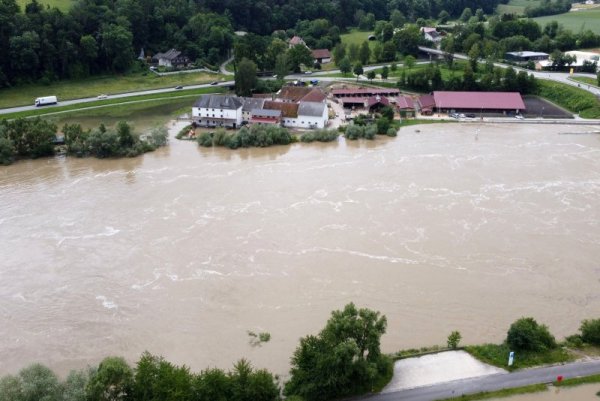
column 576, row 381
column 415, row 352
column 497, row 355
column 62, row 5
column 509, row 392
column 24, row 95
column 575, row 20
column 357, row 37
column 516, row 6
column 571, row 98
column 586, row 80
column 124, row 101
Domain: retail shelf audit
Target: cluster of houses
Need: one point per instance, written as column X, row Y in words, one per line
column 373, row 99
column 292, row 107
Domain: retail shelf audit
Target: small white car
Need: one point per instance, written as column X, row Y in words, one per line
column 519, row 117
column 102, row 96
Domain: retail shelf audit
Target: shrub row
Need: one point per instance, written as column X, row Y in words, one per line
column 321, row 135
column 255, row 136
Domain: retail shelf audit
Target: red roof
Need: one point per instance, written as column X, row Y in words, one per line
column 353, row 99
column 315, row 95
column 365, row 91
column 372, row 101
column 427, row 101
column 479, row 100
column 405, row 102
column 296, row 40
column 321, row 53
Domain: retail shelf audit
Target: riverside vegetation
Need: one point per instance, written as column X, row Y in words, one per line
column 34, row 138
column 342, row 360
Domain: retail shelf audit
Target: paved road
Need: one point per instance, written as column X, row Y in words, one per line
column 489, row 383
column 117, row 96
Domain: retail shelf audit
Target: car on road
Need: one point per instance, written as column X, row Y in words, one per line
column 103, row 96
column 519, row 117
column 308, row 72
column 454, row 115
column 214, row 83
column 179, row 87
column 470, row 115
column 462, row 116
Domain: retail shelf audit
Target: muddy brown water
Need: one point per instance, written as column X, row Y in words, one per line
column 184, row 250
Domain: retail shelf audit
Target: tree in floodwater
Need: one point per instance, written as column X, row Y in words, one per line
column 343, row 359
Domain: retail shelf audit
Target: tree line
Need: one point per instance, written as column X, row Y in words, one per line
column 342, row 359
column 33, row 138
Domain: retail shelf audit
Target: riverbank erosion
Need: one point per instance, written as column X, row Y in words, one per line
column 184, row 250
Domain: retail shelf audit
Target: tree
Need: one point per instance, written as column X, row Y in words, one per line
column 389, row 51
column 281, row 66
column 527, row 335
column 590, row 331
column 466, row 15
column 345, row 66
column 353, row 50
column 409, row 61
column 112, row 382
column 371, row 75
column 454, row 339
column 39, row 383
column 339, row 52
column 344, row 358
column 298, row 55
column 74, row 386
column 117, row 47
column 358, row 70
column 443, row 16
column 378, row 52
column 385, row 71
column 250, row 385
column 598, row 78
column 11, row 388
column 365, row 53
column 245, row 77
column 474, row 55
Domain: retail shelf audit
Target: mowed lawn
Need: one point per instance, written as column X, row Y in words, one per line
column 576, row 20
column 517, row 6
column 94, row 86
column 62, row 5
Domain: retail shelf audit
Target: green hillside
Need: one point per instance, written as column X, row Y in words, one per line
column 576, row 20
column 516, row 6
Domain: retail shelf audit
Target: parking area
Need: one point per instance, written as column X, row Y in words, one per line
column 537, row 107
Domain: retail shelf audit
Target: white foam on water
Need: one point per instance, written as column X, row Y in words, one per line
column 106, row 303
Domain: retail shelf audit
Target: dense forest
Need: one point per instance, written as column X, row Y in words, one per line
column 105, row 36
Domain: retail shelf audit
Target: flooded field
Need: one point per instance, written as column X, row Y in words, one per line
column 182, row 251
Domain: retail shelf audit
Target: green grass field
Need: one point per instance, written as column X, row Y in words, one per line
column 121, row 103
column 93, row 86
column 516, row 6
column 62, row 5
column 142, row 116
column 575, row 20
column 358, row 37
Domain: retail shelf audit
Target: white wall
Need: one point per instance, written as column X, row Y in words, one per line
column 204, row 113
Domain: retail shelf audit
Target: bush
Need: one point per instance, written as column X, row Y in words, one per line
column 321, row 135
column 183, row 132
column 527, row 335
column 7, row 151
column 590, row 331
column 454, row 339
column 255, row 136
column 392, row 132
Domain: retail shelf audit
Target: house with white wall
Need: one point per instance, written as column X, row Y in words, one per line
column 218, row 111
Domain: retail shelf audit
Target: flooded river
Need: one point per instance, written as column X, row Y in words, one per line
column 184, row 250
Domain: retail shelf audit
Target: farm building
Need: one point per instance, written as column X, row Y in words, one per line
column 523, row 57
column 405, row 106
column 426, row 104
column 494, row 102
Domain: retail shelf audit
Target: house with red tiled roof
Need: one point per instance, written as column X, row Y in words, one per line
column 426, row 104
column 405, row 106
column 296, row 40
column 321, row 56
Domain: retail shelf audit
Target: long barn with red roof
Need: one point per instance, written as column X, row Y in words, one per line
column 496, row 102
